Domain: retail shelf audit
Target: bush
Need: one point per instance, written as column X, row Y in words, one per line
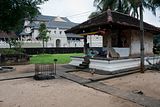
column 10, row 51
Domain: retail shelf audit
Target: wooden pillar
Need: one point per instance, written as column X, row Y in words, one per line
column 110, row 50
column 85, row 44
column 142, row 38
column 109, row 44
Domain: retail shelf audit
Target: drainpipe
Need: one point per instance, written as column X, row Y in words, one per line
column 141, row 37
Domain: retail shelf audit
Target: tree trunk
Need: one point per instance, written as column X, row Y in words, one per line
column 43, row 45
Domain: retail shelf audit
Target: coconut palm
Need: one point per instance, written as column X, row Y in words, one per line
column 117, row 5
column 123, row 6
column 126, row 6
column 156, row 3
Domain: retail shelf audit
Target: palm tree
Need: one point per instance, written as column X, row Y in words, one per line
column 117, row 5
column 125, row 6
column 156, row 3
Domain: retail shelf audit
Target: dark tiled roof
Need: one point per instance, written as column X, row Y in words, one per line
column 51, row 23
column 8, row 35
column 24, row 33
column 114, row 20
column 31, row 25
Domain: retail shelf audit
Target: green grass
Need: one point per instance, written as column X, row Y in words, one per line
column 48, row 58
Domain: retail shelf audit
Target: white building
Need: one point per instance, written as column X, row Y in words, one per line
column 58, row 38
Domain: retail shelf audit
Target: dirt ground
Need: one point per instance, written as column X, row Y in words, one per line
column 55, row 93
column 64, row 93
column 20, row 69
column 148, row 83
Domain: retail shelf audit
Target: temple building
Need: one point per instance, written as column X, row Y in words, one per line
column 121, row 41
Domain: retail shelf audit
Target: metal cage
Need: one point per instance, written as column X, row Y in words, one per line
column 45, row 71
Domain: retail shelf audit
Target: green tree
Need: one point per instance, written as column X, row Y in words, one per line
column 46, row 39
column 156, row 40
column 43, row 34
column 11, row 42
column 125, row 6
column 15, row 46
column 14, row 43
column 155, row 2
column 12, row 12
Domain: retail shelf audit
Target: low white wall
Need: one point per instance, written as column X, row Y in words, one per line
column 76, row 61
column 122, row 64
column 4, row 44
column 123, row 52
column 115, row 66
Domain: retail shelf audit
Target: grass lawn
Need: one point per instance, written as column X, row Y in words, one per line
column 48, row 58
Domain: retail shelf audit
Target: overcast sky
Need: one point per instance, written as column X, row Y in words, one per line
column 79, row 10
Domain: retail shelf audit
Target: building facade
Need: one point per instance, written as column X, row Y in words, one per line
column 57, row 36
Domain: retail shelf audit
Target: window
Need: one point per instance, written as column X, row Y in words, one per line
column 54, row 32
column 60, row 32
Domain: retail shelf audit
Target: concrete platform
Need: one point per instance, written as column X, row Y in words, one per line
column 76, row 61
column 106, row 66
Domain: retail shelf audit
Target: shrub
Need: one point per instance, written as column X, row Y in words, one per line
column 11, row 51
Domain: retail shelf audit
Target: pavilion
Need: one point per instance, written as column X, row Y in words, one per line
column 121, row 39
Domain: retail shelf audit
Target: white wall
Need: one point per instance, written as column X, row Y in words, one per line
column 123, row 52
column 55, row 34
column 35, row 33
column 4, row 44
column 26, row 22
column 135, row 43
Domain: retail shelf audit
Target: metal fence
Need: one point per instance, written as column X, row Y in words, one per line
column 154, row 62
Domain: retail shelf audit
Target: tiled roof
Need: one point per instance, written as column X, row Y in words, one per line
column 24, row 33
column 53, row 22
column 110, row 20
column 8, row 35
